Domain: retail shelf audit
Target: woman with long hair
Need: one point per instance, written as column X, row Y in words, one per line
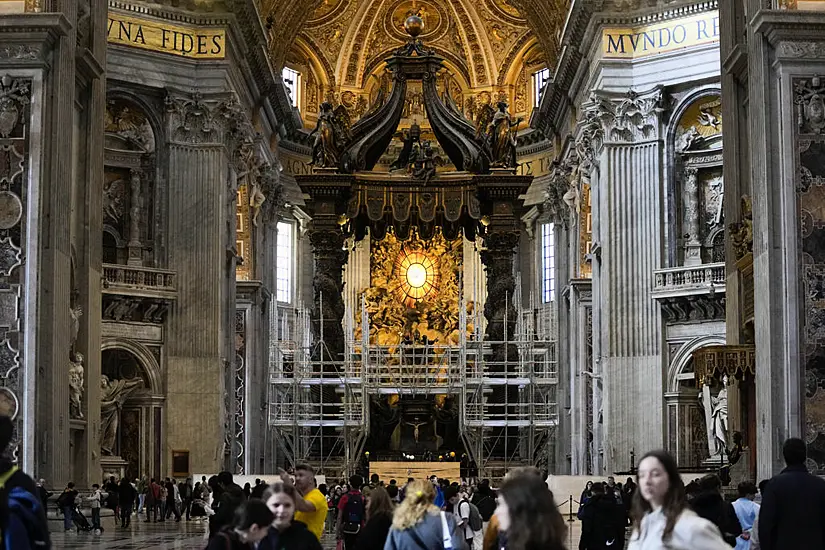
column 286, row 533
column 527, row 515
column 379, row 520
column 249, row 527
column 418, row 524
column 660, row 513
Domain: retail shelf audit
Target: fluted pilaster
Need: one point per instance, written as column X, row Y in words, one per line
column 628, row 325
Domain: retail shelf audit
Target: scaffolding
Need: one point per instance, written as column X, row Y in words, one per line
column 507, row 410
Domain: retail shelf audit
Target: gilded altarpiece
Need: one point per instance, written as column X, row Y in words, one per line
column 414, row 290
column 809, row 98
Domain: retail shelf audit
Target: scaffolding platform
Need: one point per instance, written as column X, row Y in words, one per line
column 320, row 410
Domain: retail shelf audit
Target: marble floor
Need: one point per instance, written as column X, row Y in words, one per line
column 170, row 535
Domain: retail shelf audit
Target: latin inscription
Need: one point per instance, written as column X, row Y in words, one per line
column 199, row 43
column 661, row 38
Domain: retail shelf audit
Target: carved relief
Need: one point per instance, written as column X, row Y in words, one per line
column 809, row 97
column 741, row 233
column 14, row 96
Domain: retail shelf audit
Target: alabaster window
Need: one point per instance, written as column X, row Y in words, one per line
column 292, row 81
column 285, row 253
column 548, row 263
column 540, row 79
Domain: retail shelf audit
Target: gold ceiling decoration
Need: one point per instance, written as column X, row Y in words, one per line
column 490, row 46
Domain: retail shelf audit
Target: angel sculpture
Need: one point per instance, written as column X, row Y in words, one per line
column 331, row 135
column 423, row 162
column 501, row 137
column 409, row 139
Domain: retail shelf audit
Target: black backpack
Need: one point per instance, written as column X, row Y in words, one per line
column 353, row 514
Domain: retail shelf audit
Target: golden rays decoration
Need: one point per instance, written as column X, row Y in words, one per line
column 414, row 288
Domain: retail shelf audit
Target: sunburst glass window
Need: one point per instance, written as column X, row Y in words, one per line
column 416, row 276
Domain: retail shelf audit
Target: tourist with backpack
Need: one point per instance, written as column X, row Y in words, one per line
column 22, row 518
column 466, row 514
column 351, row 513
column 95, row 500
column 66, row 503
column 485, row 500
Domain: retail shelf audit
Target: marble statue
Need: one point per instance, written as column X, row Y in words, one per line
column 719, row 418
column 112, row 396
column 501, row 138
column 76, row 386
column 74, row 315
column 256, row 201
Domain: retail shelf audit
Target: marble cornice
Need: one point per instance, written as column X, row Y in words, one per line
column 220, row 15
column 27, row 39
column 790, row 26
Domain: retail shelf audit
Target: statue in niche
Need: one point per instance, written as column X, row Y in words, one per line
column 501, row 138
column 331, row 135
column 76, row 386
column 685, row 140
column 112, row 396
column 256, row 201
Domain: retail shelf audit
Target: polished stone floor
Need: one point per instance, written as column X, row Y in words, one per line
column 169, row 535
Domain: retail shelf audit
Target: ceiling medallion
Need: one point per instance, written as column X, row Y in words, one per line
column 507, row 11
column 434, row 19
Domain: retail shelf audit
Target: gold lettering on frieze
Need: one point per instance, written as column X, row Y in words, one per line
column 632, row 43
column 157, row 36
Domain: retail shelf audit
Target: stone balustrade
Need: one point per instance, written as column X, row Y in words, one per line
column 125, row 279
column 688, row 280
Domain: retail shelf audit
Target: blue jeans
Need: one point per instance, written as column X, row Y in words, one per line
column 67, row 517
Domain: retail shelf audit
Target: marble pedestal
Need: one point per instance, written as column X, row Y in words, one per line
column 112, row 466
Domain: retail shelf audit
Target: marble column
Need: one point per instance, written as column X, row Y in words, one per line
column 627, row 202
column 330, row 253
column 498, row 257
column 135, row 209
column 201, row 239
column 690, row 231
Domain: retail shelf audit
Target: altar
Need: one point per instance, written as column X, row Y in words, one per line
column 400, row 471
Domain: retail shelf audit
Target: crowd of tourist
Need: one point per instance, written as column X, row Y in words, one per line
column 657, row 511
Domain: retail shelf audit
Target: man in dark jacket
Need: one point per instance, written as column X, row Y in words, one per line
column 793, row 504
column 228, row 497
column 185, row 489
column 603, row 522
column 709, row 504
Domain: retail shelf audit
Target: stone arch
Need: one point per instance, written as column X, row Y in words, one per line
column 684, row 104
column 152, row 114
column 684, row 356
column 144, row 358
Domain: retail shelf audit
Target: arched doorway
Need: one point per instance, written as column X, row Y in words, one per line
column 138, row 439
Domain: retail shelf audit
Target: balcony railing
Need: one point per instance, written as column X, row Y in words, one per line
column 138, row 281
column 689, row 280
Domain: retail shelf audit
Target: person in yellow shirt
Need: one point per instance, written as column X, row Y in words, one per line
column 311, row 505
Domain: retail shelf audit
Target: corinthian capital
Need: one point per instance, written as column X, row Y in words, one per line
column 629, row 117
column 208, row 120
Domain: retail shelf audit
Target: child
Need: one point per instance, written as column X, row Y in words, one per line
column 250, row 526
column 94, row 500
